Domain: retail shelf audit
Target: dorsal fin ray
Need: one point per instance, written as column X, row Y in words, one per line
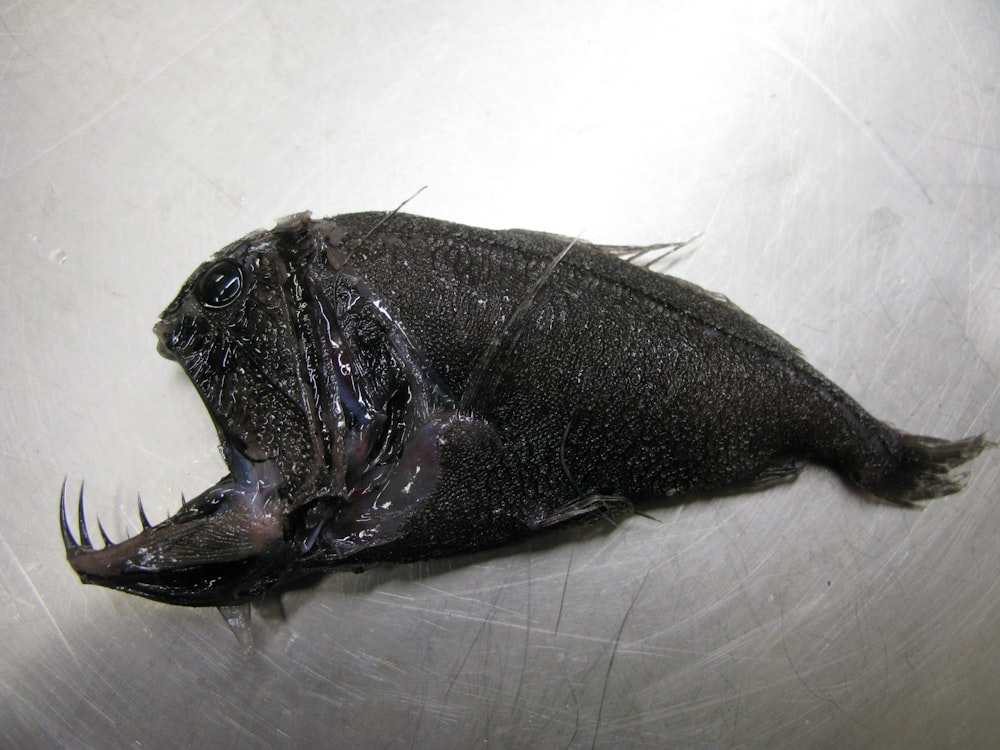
column 485, row 377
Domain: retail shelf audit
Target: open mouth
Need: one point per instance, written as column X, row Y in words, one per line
column 216, row 549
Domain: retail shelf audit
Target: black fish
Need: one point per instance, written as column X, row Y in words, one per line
column 395, row 388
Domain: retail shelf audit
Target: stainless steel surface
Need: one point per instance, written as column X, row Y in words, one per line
column 842, row 160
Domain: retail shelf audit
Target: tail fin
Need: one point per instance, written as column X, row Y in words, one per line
column 924, row 468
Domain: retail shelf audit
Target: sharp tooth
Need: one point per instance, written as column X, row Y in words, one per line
column 84, row 535
column 184, row 501
column 68, row 541
column 142, row 514
column 104, row 534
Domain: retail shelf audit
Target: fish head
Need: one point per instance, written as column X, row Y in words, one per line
column 257, row 330
column 237, row 329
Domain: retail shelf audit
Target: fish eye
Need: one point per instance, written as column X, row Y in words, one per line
column 220, row 285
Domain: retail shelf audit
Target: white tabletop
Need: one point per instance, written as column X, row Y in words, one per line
column 841, row 161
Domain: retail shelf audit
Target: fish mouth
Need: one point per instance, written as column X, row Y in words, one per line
column 222, row 547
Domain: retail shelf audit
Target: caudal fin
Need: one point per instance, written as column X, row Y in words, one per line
column 924, row 468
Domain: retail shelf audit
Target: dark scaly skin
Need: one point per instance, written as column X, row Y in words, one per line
column 401, row 388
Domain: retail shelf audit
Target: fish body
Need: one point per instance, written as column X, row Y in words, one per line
column 398, row 388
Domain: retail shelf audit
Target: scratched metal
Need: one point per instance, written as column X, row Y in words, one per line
column 841, row 162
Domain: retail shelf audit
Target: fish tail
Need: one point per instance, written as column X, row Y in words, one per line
column 892, row 465
column 919, row 467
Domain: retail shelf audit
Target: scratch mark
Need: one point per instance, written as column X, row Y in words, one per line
column 986, row 402
column 7, row 64
column 614, row 652
column 475, row 640
column 493, row 608
column 15, row 6
column 522, row 672
column 979, row 146
column 886, row 151
column 576, row 723
column 562, row 599
column 963, row 53
column 808, row 688
column 496, row 623
column 38, row 596
column 128, row 94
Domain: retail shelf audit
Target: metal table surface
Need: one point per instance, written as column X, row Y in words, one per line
column 841, row 161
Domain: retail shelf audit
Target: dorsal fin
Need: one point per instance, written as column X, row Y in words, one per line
column 645, row 256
